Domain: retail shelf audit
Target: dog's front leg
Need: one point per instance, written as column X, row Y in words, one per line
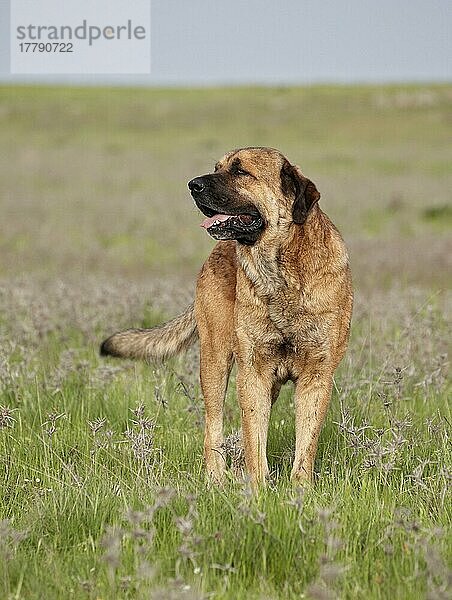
column 312, row 397
column 255, row 395
column 214, row 380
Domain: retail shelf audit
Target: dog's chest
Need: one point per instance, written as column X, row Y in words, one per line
column 282, row 326
column 293, row 327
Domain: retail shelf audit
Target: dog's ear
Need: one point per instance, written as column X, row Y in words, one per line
column 304, row 192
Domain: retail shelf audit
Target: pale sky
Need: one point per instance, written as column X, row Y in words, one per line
column 209, row 42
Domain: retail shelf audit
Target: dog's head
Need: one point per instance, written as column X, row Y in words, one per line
column 252, row 190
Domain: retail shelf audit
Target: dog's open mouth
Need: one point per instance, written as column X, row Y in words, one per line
column 232, row 227
column 242, row 226
column 224, row 221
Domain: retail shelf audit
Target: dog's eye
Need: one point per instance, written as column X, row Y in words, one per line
column 238, row 171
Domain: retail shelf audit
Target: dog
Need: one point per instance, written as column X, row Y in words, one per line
column 274, row 296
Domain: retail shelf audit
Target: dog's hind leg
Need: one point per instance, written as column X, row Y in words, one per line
column 276, row 388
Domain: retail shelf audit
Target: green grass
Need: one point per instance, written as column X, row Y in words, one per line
column 367, row 525
column 98, row 233
column 376, row 524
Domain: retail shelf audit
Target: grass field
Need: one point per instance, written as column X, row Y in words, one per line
column 103, row 492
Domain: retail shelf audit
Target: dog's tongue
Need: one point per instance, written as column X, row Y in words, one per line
column 211, row 220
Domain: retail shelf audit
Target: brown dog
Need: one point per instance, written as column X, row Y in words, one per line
column 275, row 296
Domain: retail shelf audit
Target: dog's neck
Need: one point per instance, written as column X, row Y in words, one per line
column 264, row 262
column 285, row 260
column 261, row 265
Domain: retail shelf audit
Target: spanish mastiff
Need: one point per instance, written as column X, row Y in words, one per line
column 274, row 296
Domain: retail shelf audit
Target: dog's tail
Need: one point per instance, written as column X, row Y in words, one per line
column 157, row 343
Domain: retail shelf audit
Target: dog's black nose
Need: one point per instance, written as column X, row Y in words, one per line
column 196, row 185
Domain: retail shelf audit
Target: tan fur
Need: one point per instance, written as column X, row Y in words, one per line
column 280, row 309
column 157, row 343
